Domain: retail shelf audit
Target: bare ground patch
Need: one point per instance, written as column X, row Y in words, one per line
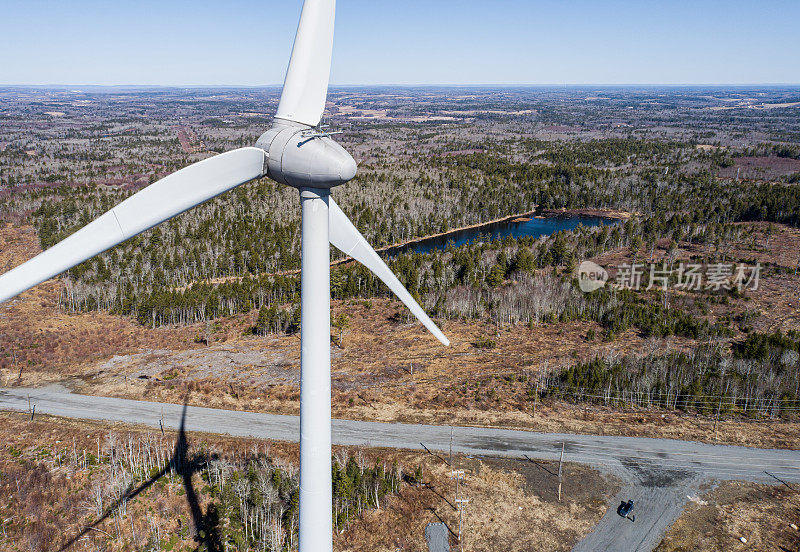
column 387, row 367
column 761, row 168
column 715, row 521
column 54, row 461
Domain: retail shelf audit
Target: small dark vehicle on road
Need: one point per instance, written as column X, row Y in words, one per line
column 626, row 510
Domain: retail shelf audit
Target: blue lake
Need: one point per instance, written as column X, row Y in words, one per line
column 534, row 227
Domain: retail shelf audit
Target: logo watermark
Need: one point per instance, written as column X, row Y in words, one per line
column 682, row 277
column 591, row 276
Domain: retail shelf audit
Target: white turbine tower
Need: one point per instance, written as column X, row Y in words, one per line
column 294, row 153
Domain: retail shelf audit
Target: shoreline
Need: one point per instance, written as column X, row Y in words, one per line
column 517, row 217
column 536, row 213
column 615, row 214
column 421, row 239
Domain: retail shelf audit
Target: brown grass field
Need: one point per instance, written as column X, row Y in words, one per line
column 46, row 495
column 761, row 168
column 715, row 521
column 97, row 353
column 513, row 504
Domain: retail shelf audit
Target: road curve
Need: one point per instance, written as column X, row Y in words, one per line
column 658, row 472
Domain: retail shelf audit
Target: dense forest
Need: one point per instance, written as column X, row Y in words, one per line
column 240, row 252
column 237, row 252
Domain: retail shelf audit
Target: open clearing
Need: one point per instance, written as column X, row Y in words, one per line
column 716, row 520
column 658, row 474
column 54, row 497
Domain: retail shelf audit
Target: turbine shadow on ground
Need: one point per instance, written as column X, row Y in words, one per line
column 539, row 464
column 432, row 489
column 206, row 525
column 442, row 521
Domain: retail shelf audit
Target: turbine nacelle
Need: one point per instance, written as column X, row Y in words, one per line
column 302, row 157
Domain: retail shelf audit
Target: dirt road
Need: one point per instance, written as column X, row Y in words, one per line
column 658, row 474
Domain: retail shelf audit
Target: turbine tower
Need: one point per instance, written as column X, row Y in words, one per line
column 296, row 153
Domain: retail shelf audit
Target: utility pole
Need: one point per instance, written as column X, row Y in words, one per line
column 458, row 475
column 451, row 446
column 716, row 418
column 460, row 502
column 560, row 462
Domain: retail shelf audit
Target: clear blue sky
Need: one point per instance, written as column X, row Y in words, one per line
column 247, row 42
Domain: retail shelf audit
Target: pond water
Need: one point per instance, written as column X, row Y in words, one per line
column 535, row 227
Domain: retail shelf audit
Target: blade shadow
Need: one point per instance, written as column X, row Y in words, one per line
column 429, row 451
column 206, row 525
column 432, row 489
column 540, row 465
column 442, row 521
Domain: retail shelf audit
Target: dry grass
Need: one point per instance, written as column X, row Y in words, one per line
column 762, row 514
column 96, row 353
column 47, row 490
column 40, row 343
column 512, row 504
column 761, row 168
column 775, row 246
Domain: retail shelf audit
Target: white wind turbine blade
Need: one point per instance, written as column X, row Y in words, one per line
column 306, row 86
column 346, row 237
column 158, row 202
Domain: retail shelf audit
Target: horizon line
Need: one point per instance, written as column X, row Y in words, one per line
column 410, row 85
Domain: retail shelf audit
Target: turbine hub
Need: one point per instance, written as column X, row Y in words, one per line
column 302, row 157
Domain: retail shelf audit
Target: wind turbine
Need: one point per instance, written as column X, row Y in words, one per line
column 297, row 153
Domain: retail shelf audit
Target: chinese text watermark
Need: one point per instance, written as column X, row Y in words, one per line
column 682, row 277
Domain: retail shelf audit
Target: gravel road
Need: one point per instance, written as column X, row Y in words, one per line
column 658, row 474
